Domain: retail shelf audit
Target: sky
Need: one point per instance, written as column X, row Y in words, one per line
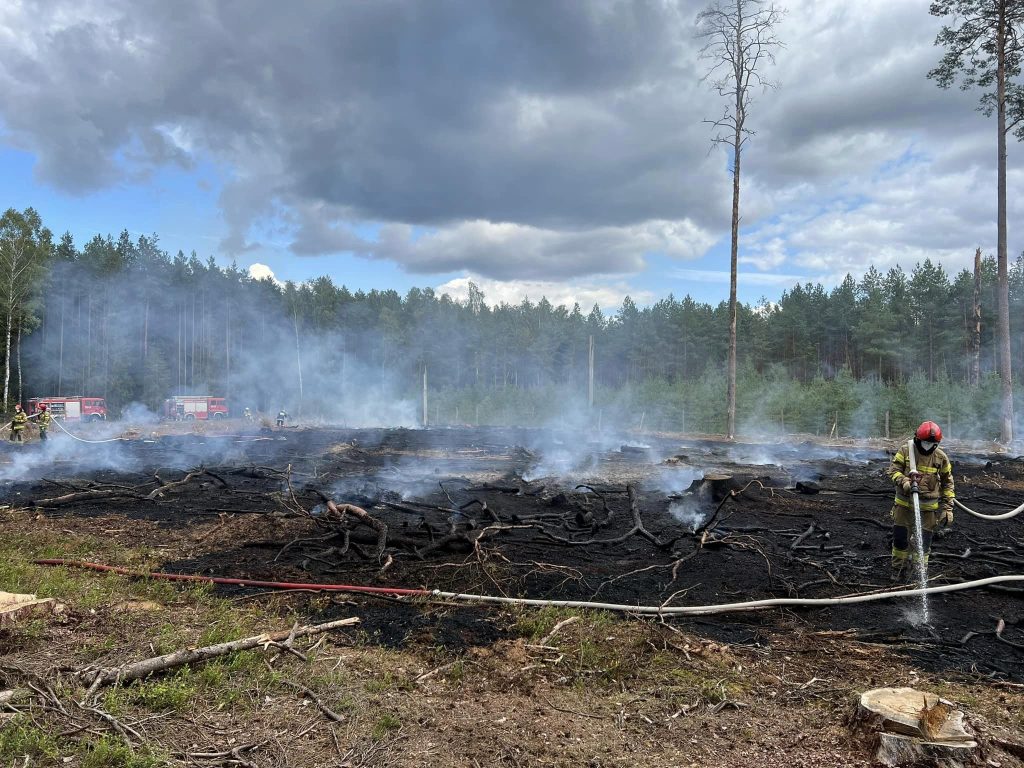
column 534, row 147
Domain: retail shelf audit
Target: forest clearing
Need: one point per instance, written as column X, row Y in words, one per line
column 651, row 520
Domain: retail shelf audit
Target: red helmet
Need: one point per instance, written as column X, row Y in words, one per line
column 42, row 406
column 930, row 431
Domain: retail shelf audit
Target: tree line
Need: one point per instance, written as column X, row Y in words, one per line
column 124, row 320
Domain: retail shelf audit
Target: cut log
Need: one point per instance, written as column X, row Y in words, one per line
column 906, row 727
column 15, row 607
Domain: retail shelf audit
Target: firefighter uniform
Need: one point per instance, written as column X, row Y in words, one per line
column 18, row 426
column 935, row 489
column 43, row 421
column 281, row 416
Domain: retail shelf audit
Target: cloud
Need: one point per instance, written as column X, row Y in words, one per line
column 606, row 296
column 515, row 141
column 752, row 278
column 517, row 252
column 259, row 271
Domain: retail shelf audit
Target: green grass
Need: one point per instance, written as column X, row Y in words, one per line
column 534, row 624
column 108, row 753
column 385, row 724
column 169, row 693
column 456, row 672
column 19, row 737
column 387, row 682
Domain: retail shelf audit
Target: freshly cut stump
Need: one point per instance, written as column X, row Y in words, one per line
column 910, row 727
column 14, row 606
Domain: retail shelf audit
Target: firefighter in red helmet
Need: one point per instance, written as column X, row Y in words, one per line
column 934, row 483
column 43, row 420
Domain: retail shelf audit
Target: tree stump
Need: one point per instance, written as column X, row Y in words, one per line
column 14, row 607
column 907, row 727
column 721, row 483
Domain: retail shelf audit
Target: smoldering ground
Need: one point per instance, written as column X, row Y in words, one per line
column 437, row 491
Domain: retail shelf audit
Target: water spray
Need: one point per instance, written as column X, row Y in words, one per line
column 922, row 564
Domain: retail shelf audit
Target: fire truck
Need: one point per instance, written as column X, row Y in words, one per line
column 71, row 408
column 191, row 407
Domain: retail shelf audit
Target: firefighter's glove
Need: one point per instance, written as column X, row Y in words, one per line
column 906, row 486
column 946, row 516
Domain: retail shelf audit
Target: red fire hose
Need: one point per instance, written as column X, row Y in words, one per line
column 237, row 582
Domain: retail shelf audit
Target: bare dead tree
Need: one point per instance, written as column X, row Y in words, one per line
column 740, row 41
column 976, row 323
column 985, row 49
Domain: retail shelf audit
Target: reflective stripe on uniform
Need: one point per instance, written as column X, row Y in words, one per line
column 926, row 506
column 928, row 470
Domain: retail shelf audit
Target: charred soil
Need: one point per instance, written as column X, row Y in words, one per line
column 541, row 515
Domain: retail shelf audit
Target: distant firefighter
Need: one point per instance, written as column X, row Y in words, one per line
column 43, row 419
column 247, row 414
column 18, row 424
column 933, row 482
column 281, row 416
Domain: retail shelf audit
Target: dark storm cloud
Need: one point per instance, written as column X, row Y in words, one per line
column 534, row 139
column 402, row 111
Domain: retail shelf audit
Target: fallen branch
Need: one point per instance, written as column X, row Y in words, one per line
column 219, row 755
column 558, row 628
column 164, row 487
column 638, row 529
column 802, row 537
column 1000, row 628
column 364, row 517
column 14, row 695
column 71, row 498
column 331, row 715
column 140, row 669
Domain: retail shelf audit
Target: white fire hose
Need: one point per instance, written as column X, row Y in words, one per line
column 1003, row 516
column 82, row 439
column 968, row 510
column 750, row 605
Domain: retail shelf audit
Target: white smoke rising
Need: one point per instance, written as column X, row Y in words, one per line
column 672, row 480
column 322, row 383
column 137, row 414
column 693, row 509
column 36, row 460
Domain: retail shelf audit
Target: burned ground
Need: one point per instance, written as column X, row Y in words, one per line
column 542, row 515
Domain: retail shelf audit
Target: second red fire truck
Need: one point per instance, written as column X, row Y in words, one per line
column 192, row 407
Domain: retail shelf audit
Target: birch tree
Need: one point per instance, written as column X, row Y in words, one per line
column 984, row 50
column 25, row 246
column 740, row 41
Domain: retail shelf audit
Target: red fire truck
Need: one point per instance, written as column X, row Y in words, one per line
column 190, row 407
column 71, row 408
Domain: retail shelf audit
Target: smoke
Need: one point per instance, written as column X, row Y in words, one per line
column 323, row 382
column 35, row 460
column 674, row 479
column 137, row 414
column 693, row 509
